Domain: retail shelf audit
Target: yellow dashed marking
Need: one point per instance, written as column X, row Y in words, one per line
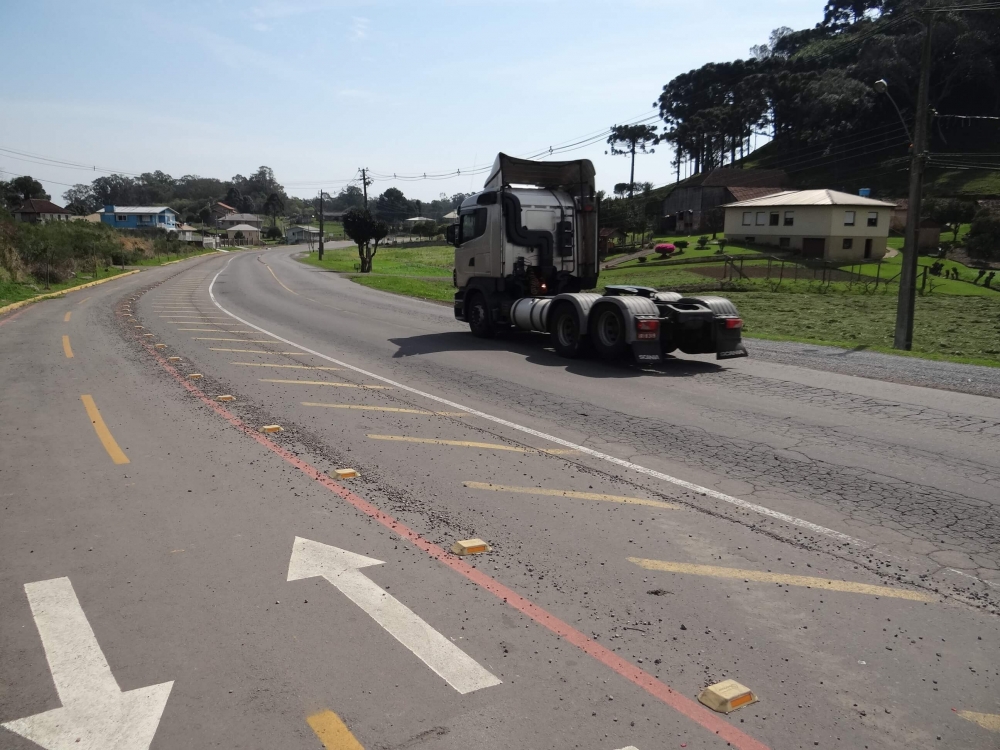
column 471, row 444
column 287, row 367
column 325, row 382
column 986, row 721
column 254, row 351
column 571, row 494
column 103, row 433
column 242, row 341
column 789, row 580
column 83, row 300
column 66, row 316
column 279, row 281
column 389, row 409
column 67, row 349
column 333, row 732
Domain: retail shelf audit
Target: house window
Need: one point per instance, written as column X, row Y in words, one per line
column 747, row 218
column 873, row 218
column 761, row 220
column 789, row 218
column 849, row 218
column 162, row 219
column 774, row 219
column 121, row 217
column 784, row 242
column 848, row 243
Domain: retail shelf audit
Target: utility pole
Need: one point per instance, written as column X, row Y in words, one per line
column 364, row 184
column 903, row 338
column 321, row 224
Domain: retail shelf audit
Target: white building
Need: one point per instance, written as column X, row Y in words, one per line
column 248, row 235
column 824, row 224
column 298, row 234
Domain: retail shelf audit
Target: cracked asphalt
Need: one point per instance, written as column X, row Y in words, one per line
column 821, row 526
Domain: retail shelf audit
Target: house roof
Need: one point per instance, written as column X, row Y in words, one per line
column 187, row 228
column 241, row 217
column 749, row 193
column 40, row 206
column 243, row 228
column 810, row 198
column 304, row 228
column 609, row 232
column 223, row 205
column 143, row 210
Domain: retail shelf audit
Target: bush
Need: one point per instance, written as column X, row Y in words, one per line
column 703, row 242
column 272, row 233
column 983, row 240
column 681, row 245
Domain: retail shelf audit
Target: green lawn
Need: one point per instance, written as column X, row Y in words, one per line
column 962, row 329
column 413, row 261
column 440, row 290
column 11, row 292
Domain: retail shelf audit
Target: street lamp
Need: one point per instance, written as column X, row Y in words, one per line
column 882, row 87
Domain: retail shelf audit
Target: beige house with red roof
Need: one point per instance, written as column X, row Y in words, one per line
column 40, row 211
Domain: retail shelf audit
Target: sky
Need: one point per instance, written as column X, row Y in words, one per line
column 316, row 89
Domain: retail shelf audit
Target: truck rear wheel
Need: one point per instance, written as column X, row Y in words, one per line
column 477, row 312
column 567, row 338
column 607, row 332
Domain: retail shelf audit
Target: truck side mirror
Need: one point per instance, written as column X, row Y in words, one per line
column 449, row 234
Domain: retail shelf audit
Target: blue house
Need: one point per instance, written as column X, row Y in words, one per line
column 140, row 217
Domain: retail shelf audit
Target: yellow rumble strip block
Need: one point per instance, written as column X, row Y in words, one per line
column 173, row 359
column 470, row 547
column 225, row 397
column 147, row 335
column 195, row 376
column 272, row 428
column 345, row 473
column 726, row 696
column 160, row 346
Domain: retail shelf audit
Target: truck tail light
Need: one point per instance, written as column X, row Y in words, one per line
column 647, row 328
column 734, row 323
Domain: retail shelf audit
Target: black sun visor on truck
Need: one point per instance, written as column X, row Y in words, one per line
column 570, row 176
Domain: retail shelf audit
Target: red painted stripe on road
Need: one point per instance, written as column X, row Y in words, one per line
column 681, row 703
column 9, row 318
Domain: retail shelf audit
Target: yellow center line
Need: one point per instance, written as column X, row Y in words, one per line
column 333, row 732
column 254, row 351
column 242, row 341
column 394, row 409
column 986, row 721
column 67, row 349
column 194, row 322
column 103, row 433
column 279, row 281
column 325, row 382
column 287, row 367
column 572, row 494
column 213, row 330
column 83, row 300
column 789, row 580
column 471, row 444
column 66, row 316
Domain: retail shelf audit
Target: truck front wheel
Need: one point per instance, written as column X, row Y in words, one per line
column 477, row 313
column 607, row 332
column 567, row 338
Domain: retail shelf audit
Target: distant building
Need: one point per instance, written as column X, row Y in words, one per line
column 40, row 211
column 187, row 233
column 231, row 220
column 220, row 209
column 928, row 235
column 822, row 224
column 298, row 234
column 249, row 235
column 140, row 217
column 607, row 237
column 688, row 207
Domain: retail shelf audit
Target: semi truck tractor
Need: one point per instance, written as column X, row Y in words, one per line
column 526, row 252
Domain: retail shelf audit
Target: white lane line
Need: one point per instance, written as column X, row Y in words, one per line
column 343, row 569
column 738, row 502
column 95, row 713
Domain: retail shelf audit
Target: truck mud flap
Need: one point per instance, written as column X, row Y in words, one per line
column 739, row 351
column 646, row 352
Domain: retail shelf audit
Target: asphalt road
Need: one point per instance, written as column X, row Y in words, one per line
column 171, row 577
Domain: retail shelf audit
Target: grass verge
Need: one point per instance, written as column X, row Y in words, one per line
column 159, row 260
column 437, row 290
column 414, row 261
column 11, row 291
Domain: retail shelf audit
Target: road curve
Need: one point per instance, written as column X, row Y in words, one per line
column 830, row 541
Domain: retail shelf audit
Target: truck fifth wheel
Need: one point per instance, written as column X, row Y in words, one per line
column 525, row 251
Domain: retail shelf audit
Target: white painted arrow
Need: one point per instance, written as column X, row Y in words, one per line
column 95, row 713
column 342, row 569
